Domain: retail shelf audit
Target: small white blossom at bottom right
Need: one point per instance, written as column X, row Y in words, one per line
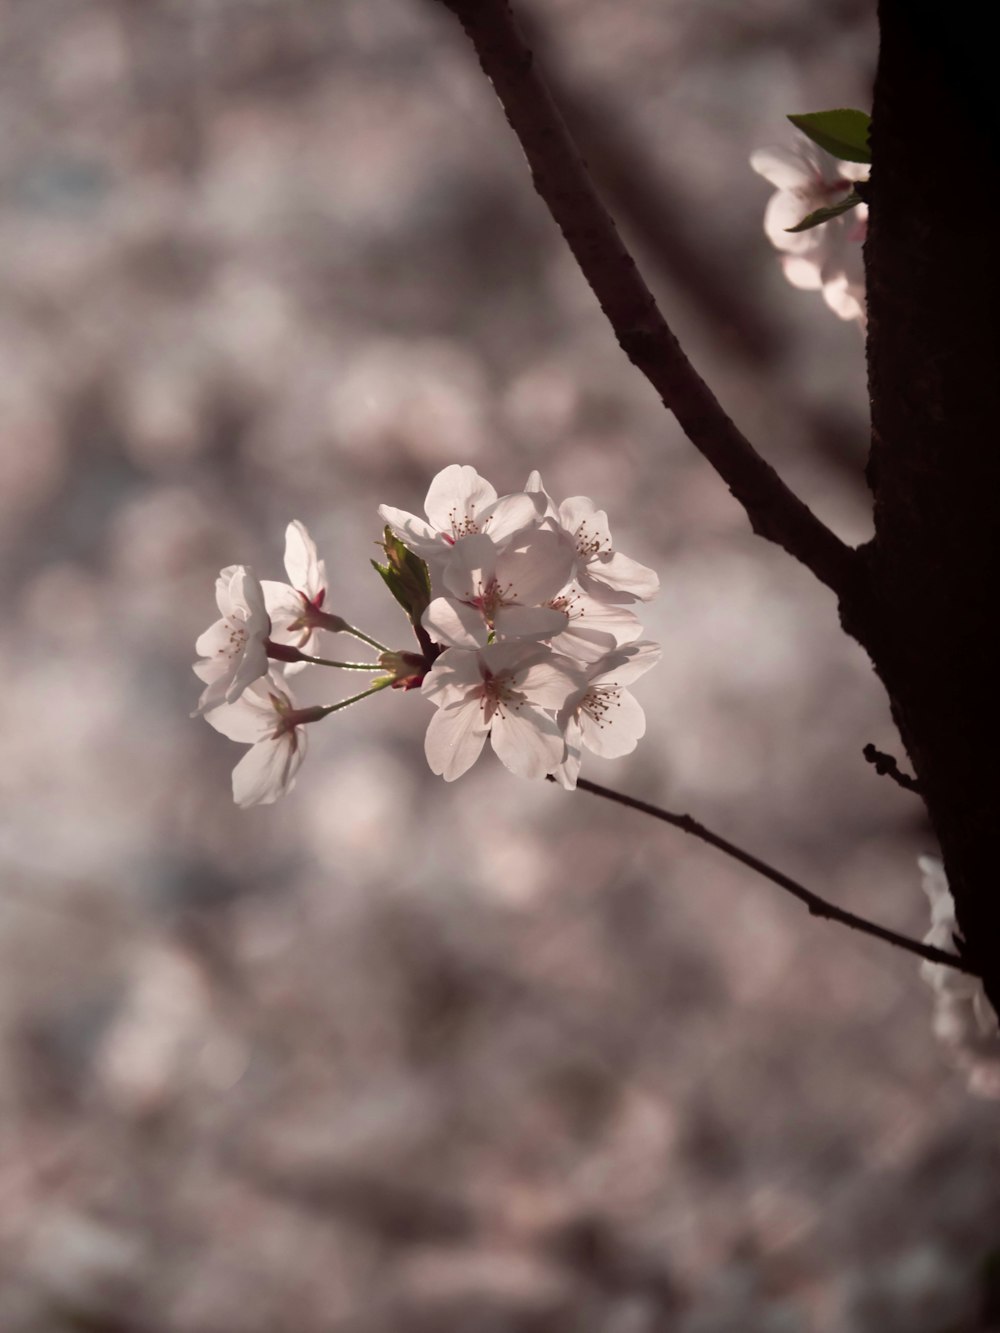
column 601, row 715
column 963, row 1017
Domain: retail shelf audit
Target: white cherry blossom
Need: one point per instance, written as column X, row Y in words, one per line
column 593, row 628
column 963, row 1017
column 601, row 715
column 501, row 590
column 829, row 257
column 234, row 649
column 460, row 503
column 600, row 570
column 502, row 692
column 265, row 718
column 295, row 607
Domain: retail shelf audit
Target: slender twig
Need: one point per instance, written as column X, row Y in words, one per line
column 561, row 178
column 354, row 699
column 286, row 652
column 817, row 906
column 886, row 766
column 365, row 638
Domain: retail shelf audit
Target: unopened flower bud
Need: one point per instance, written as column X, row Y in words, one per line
column 406, row 670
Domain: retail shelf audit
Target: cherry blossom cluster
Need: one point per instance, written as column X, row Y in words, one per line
column 828, row 257
column 526, row 636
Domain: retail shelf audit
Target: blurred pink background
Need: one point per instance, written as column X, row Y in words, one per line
column 482, row 1058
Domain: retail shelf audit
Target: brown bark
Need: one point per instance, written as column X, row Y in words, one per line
column 921, row 596
column 934, row 301
column 561, row 178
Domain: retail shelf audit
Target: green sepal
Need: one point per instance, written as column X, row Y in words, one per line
column 843, row 133
column 828, row 211
column 405, row 575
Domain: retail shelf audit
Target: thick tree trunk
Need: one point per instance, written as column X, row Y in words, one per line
column 933, row 256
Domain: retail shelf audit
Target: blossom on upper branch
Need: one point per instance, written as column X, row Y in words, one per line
column 460, row 504
column 827, row 257
column 295, row 607
column 234, row 649
column 505, row 691
column 265, row 718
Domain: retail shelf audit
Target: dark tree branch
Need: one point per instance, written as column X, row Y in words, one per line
column 887, row 767
column 561, row 179
column 817, row 906
column 933, row 276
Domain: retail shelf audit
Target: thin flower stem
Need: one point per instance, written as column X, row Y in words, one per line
column 372, row 643
column 355, row 698
column 344, row 666
column 817, row 906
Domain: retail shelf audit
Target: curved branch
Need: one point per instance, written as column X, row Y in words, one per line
column 817, row 906
column 561, row 179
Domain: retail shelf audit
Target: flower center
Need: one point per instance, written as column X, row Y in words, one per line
column 463, row 524
column 568, row 603
column 590, row 543
column 498, row 694
column 599, row 701
column 237, row 639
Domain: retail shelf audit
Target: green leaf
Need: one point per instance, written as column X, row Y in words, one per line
column 405, row 575
column 843, row 132
column 821, row 215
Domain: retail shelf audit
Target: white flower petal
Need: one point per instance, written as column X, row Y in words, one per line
column 783, row 167
column 631, row 662
column 253, row 663
column 457, row 495
column 283, row 604
column 223, row 596
column 527, row 741
column 246, row 591
column 306, row 572
column 268, row 769
column 528, row 622
column 418, row 535
column 536, row 570
column 533, row 486
column 249, row 720
column 215, row 641
column 568, row 772
column 512, row 514
column 587, row 524
column 454, row 624
column 615, row 729
column 455, row 738
column 802, row 273
column 471, row 566
column 550, row 682
column 452, row 676
column 512, row 657
column 622, row 575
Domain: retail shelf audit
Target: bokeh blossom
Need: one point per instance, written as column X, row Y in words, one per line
column 963, row 1017
column 827, row 258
